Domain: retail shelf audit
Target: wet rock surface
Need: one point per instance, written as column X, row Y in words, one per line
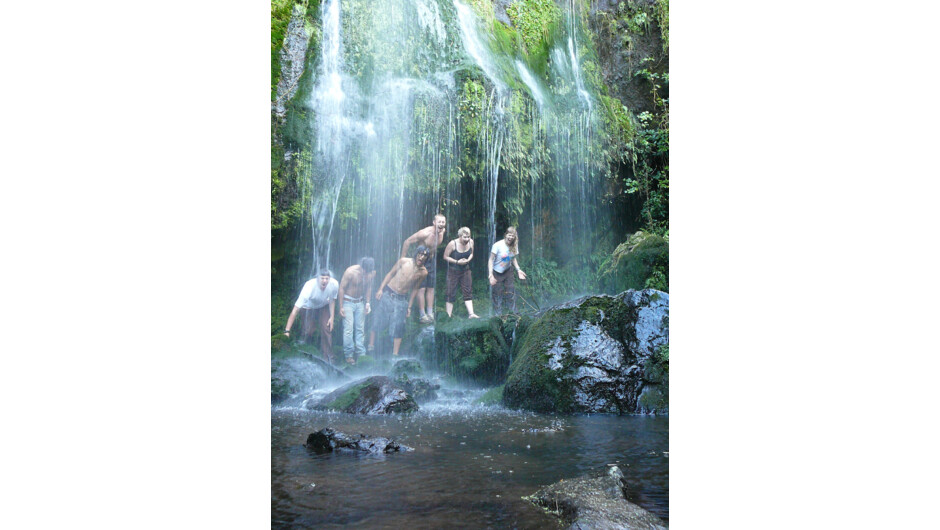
column 474, row 351
column 293, row 375
column 422, row 390
column 594, row 502
column 372, row 395
column 327, row 440
column 595, row 354
column 293, row 58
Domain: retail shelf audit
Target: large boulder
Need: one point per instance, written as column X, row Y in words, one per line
column 587, row 502
column 327, row 440
column 474, row 351
column 595, row 354
column 372, row 395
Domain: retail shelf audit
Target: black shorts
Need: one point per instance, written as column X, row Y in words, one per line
column 431, row 278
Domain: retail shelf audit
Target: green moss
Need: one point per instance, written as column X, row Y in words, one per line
column 638, row 263
column 533, row 19
column 530, row 383
column 472, row 350
column 280, row 18
column 348, row 397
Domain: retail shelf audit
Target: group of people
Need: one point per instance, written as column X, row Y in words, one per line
column 412, row 276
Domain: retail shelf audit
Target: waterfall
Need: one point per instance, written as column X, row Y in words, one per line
column 388, row 151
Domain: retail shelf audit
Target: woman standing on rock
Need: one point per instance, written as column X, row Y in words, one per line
column 458, row 254
column 503, row 254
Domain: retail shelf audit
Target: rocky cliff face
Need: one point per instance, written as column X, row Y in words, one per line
column 629, row 39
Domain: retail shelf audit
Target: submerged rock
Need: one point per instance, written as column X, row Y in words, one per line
column 595, row 354
column 372, row 395
column 326, row 440
column 599, row 502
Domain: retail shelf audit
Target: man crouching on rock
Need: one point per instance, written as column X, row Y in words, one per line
column 394, row 306
column 316, row 301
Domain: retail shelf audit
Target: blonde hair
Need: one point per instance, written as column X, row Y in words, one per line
column 514, row 248
column 464, row 231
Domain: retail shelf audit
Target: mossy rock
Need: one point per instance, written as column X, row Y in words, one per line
column 474, row 351
column 373, row 395
column 409, row 367
column 590, row 355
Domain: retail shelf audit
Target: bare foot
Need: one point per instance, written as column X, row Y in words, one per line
column 473, row 315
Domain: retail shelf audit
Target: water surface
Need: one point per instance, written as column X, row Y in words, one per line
column 471, row 466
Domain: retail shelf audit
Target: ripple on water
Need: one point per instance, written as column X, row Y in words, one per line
column 472, row 463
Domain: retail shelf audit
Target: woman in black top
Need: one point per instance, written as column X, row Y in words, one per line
column 458, row 254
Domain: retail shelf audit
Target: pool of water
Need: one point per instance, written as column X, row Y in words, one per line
column 471, row 466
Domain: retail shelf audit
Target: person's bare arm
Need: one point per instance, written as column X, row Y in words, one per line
column 492, row 278
column 343, row 283
column 515, row 263
column 388, row 278
column 415, row 239
column 369, row 293
column 329, row 323
column 290, row 321
column 447, row 251
column 419, row 279
column 470, row 257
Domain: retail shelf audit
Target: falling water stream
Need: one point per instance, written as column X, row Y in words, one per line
column 387, row 155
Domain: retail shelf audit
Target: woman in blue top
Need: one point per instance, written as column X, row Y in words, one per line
column 502, row 255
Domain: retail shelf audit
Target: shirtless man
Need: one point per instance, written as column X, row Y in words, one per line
column 430, row 237
column 394, row 306
column 355, row 294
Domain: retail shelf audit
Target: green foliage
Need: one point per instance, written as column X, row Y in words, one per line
column 553, row 281
column 493, row 396
column 661, row 9
column 533, row 19
column 638, row 263
column 472, row 102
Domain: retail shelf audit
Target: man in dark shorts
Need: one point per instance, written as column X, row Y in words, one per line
column 394, row 306
column 430, row 237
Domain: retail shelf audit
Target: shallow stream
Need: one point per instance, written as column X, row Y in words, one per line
column 471, row 466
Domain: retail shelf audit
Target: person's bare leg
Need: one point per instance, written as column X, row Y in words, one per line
column 396, row 344
column 371, row 341
column 469, row 304
column 420, row 302
column 430, row 304
column 449, row 307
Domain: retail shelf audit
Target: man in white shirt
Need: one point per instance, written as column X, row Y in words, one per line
column 317, row 300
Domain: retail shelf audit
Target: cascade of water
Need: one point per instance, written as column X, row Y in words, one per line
column 387, row 142
column 493, row 137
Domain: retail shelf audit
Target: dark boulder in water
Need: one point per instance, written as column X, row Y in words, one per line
column 326, row 440
column 595, row 502
column 421, row 389
column 595, row 354
column 372, row 395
